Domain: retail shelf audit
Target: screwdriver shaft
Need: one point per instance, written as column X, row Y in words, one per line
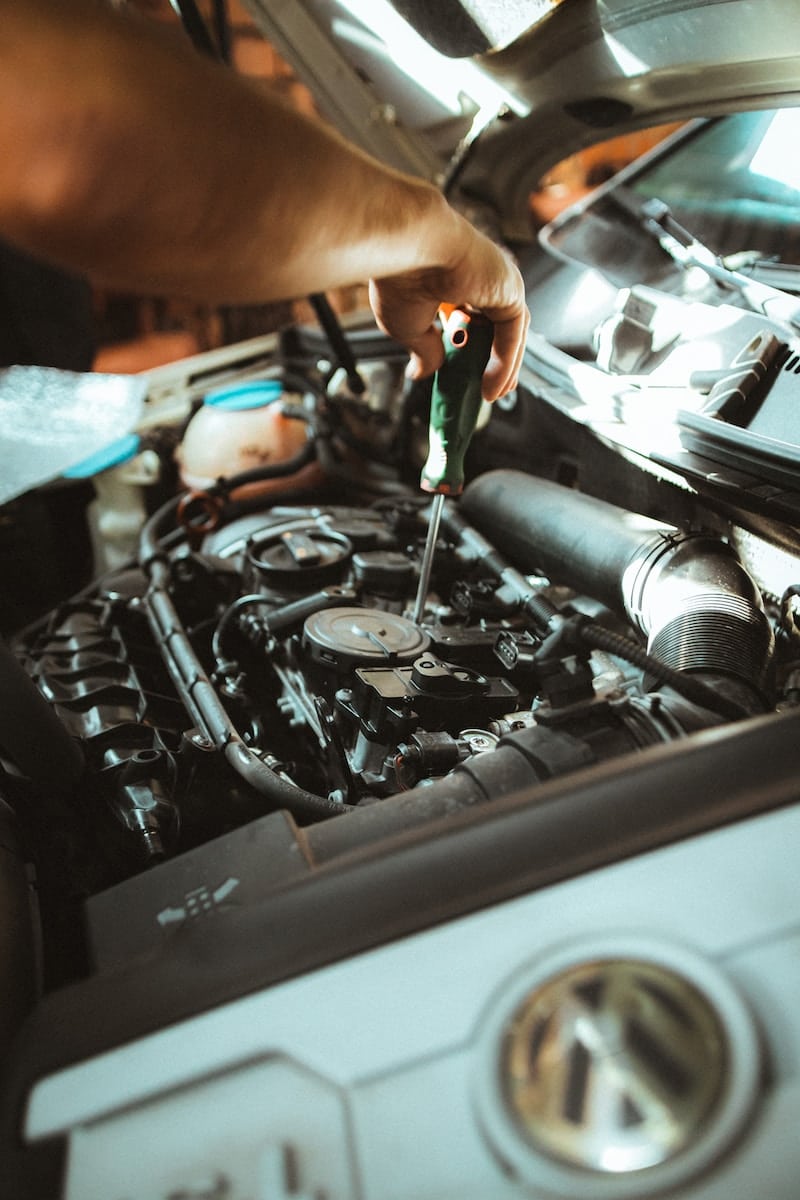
column 427, row 557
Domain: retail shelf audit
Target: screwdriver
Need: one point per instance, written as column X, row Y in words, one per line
column 455, row 405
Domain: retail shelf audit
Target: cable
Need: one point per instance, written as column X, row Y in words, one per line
column 195, row 27
column 338, row 342
column 597, row 637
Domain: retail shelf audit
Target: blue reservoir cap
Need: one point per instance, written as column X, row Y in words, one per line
column 111, row 455
column 241, row 396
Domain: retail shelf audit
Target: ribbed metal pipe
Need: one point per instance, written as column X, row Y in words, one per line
column 713, row 640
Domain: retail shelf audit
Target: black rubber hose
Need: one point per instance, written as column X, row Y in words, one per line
column 197, row 692
column 156, row 526
column 687, row 592
column 572, row 538
column 521, row 761
column 277, row 470
column 153, row 531
column 597, row 637
column 204, row 705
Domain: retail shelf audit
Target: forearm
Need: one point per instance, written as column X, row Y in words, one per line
column 154, row 170
column 131, row 158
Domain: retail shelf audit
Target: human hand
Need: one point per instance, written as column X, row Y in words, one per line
column 472, row 273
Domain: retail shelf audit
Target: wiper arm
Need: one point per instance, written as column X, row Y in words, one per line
column 686, row 250
column 781, row 275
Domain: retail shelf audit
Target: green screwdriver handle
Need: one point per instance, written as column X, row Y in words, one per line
column 456, row 400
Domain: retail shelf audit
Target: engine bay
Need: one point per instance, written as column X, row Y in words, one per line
column 256, row 736
column 264, row 649
column 361, row 846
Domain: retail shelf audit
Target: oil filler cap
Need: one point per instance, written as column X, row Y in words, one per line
column 298, row 559
column 616, row 1068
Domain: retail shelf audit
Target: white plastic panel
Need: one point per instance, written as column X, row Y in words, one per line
column 386, row 1048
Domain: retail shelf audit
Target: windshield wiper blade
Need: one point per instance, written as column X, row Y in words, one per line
column 688, row 251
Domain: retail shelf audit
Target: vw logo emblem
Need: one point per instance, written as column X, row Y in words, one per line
column 616, row 1071
column 614, row 1065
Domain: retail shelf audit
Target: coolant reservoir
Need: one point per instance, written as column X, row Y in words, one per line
column 239, row 428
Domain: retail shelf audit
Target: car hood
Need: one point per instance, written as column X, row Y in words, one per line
column 483, row 97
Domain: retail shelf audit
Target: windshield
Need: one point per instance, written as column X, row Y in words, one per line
column 733, row 182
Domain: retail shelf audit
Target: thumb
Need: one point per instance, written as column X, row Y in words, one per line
column 427, row 353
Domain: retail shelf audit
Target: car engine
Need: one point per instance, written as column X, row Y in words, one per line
column 268, row 657
column 250, row 730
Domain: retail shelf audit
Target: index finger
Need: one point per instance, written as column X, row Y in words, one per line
column 508, row 348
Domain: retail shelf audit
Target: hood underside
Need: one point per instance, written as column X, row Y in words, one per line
column 485, row 97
